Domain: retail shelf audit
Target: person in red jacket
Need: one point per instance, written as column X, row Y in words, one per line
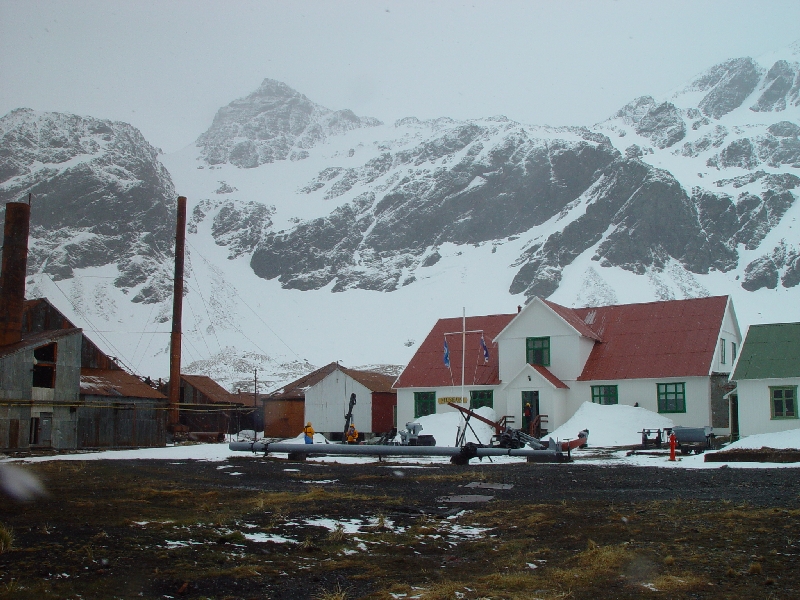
column 526, row 417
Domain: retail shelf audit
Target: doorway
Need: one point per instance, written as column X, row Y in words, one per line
column 734, row 399
column 530, row 397
column 41, row 429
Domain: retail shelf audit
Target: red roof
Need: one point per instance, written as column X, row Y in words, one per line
column 427, row 368
column 116, row 383
column 677, row 338
column 209, row 388
column 545, row 372
column 570, row 315
column 373, row 381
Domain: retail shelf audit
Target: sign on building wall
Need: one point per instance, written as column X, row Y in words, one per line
column 453, row 399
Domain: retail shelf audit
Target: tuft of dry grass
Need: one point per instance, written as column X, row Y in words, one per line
column 337, row 593
column 444, row 590
column 755, row 569
column 337, row 534
column 6, row 539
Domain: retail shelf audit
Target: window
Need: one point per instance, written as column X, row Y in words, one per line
column 784, row 402
column 44, row 366
column 722, row 344
column 481, row 398
column 671, row 397
column 537, row 351
column 604, row 394
column 733, row 352
column 424, row 404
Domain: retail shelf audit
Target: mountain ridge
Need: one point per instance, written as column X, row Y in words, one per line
column 694, row 194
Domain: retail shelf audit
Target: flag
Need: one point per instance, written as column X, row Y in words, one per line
column 485, row 350
column 446, row 354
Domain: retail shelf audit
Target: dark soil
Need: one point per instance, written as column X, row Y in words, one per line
column 158, row 529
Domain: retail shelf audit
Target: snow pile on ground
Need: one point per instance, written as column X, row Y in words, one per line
column 782, row 440
column 611, row 425
column 444, row 427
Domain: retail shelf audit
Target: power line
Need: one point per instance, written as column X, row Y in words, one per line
column 236, row 293
column 92, row 327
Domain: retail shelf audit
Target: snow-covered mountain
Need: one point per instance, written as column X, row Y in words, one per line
column 101, row 197
column 316, row 235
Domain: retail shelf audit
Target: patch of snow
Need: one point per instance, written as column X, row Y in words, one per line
column 782, row 440
column 268, row 537
column 610, row 425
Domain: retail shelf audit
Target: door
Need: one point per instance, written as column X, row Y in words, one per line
column 734, row 417
column 530, row 397
column 45, row 429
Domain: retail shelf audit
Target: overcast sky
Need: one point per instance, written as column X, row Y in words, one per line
column 167, row 66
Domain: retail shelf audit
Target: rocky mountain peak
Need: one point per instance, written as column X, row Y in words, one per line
column 727, row 84
column 100, row 197
column 275, row 122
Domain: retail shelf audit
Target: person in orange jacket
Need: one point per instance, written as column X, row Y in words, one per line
column 308, row 433
column 352, row 434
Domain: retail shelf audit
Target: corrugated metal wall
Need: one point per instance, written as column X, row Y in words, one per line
column 121, row 424
column 284, row 418
column 15, row 426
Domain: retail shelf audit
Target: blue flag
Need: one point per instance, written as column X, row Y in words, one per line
column 485, row 350
column 446, row 354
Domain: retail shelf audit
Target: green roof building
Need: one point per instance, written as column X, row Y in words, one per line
column 767, row 377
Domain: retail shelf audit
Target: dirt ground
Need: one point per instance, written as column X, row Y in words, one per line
column 268, row 528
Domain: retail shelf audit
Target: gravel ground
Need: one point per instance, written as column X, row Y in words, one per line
column 185, row 529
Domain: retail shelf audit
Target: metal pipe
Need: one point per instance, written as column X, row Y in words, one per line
column 14, row 271
column 177, row 316
column 378, row 450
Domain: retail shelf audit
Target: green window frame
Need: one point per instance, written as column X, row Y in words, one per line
column 605, row 394
column 783, row 401
column 671, row 397
column 424, row 404
column 722, row 346
column 478, row 398
column 537, row 351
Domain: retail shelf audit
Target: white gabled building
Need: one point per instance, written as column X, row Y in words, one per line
column 670, row 357
column 767, row 378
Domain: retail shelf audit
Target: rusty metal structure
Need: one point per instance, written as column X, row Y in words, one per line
column 177, row 316
column 14, row 271
column 59, row 390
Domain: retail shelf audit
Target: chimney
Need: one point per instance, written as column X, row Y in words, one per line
column 177, row 312
column 14, row 271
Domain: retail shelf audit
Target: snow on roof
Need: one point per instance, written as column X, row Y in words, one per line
column 117, row 383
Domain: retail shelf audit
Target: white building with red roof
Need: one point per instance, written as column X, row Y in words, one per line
column 671, row 357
